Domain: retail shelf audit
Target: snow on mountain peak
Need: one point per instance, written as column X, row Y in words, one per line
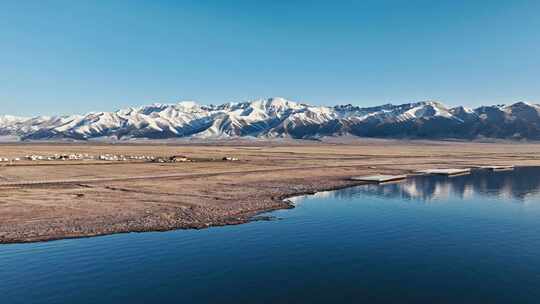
column 275, row 104
column 10, row 119
column 187, row 104
column 279, row 117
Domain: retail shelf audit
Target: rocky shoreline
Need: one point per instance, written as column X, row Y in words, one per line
column 182, row 219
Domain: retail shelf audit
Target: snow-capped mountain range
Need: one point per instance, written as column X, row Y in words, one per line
column 278, row 117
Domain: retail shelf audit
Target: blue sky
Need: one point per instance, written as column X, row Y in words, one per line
column 80, row 56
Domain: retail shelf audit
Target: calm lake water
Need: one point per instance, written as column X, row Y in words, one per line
column 467, row 239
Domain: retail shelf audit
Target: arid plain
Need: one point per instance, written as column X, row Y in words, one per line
column 48, row 200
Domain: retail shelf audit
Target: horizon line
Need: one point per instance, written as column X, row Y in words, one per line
column 157, row 103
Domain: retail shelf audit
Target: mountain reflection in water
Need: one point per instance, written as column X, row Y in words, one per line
column 521, row 185
column 479, row 243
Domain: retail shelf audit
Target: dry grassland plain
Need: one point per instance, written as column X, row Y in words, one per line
column 50, row 200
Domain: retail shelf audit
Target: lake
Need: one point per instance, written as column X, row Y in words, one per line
column 465, row 239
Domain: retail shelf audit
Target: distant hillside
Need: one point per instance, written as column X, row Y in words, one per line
column 278, row 118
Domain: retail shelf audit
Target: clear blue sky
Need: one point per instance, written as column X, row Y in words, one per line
column 78, row 56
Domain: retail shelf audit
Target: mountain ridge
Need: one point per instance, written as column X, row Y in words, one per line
column 281, row 118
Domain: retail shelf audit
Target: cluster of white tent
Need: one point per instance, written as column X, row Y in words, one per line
column 78, row 156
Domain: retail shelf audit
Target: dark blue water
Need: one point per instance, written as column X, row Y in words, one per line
column 468, row 239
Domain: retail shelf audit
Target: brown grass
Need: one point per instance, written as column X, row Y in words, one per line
column 205, row 193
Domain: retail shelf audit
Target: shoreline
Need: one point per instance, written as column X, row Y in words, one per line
column 44, row 203
column 244, row 218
